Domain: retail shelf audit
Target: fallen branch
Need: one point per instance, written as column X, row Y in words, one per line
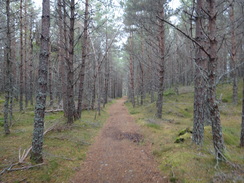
column 24, row 154
column 8, row 168
column 25, row 167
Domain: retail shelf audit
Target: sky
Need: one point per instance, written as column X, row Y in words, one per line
column 38, row 3
column 174, row 3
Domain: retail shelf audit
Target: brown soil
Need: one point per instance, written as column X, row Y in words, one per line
column 117, row 155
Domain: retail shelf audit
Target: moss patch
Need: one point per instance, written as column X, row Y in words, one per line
column 185, row 162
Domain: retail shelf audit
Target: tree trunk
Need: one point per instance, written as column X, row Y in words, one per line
column 83, row 65
column 106, row 80
column 37, row 142
column 132, row 89
column 242, row 124
column 218, row 141
column 7, row 71
column 151, row 71
column 62, row 73
column 26, row 57
column 199, row 83
column 31, row 62
column 14, row 66
column 142, row 76
column 21, row 80
column 99, row 91
column 93, row 99
column 70, row 69
column 233, row 54
column 161, row 66
column 50, row 78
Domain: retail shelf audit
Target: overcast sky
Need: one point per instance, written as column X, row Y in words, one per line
column 174, row 3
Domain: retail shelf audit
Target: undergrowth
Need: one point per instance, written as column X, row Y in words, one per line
column 63, row 151
column 184, row 161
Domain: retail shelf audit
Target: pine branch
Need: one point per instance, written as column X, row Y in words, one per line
column 186, row 35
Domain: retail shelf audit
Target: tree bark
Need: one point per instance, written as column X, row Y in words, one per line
column 50, row 78
column 61, row 56
column 233, row 54
column 151, row 76
column 142, row 76
column 7, row 71
column 31, row 61
column 242, row 124
column 70, row 69
column 199, row 83
column 37, row 142
column 21, row 82
column 106, row 79
column 26, row 57
column 132, row 73
column 93, row 99
column 218, row 140
column 83, row 65
column 161, row 66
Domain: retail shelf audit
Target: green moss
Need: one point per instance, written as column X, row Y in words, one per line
column 1, row 122
column 2, row 101
column 153, row 125
column 169, row 92
column 185, row 159
column 60, row 145
column 134, row 112
column 184, row 131
column 186, row 112
column 183, row 138
column 173, row 179
column 224, row 100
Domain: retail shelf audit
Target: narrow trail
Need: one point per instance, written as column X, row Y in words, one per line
column 116, row 156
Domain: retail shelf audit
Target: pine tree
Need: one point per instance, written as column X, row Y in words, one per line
column 37, row 141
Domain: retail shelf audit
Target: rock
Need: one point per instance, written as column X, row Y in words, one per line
column 182, row 138
column 187, row 130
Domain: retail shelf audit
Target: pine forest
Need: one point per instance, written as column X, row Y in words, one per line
column 128, row 91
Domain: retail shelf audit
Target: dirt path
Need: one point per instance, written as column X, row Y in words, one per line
column 116, row 156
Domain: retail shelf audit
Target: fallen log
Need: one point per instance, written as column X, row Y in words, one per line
column 54, row 110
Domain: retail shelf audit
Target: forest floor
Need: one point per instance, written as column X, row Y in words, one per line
column 119, row 153
column 170, row 137
column 126, row 143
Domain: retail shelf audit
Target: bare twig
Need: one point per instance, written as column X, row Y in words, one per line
column 186, row 35
column 8, row 168
column 25, row 167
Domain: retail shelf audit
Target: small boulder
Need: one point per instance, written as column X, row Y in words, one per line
column 183, row 135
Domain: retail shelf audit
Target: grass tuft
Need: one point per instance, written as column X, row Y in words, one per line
column 153, row 125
